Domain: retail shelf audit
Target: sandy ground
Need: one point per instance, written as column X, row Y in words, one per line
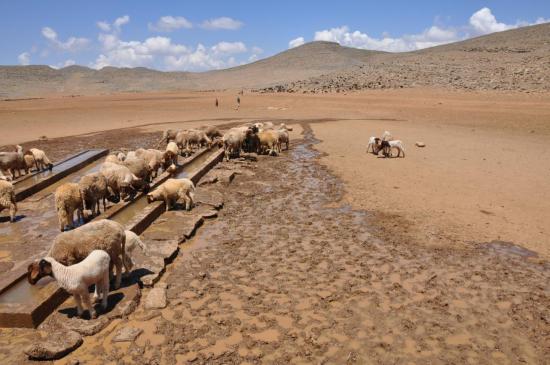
column 289, row 273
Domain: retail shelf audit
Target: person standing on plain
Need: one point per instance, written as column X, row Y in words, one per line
column 217, row 102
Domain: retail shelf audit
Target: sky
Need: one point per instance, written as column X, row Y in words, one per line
column 204, row 35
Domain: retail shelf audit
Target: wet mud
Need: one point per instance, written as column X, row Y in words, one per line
column 288, row 274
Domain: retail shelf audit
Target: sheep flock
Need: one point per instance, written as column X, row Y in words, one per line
column 84, row 254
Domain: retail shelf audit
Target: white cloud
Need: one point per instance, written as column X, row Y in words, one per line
column 104, row 26
column 72, row 44
column 257, row 50
column 222, row 23
column 24, row 58
column 229, row 47
column 120, row 21
column 296, row 42
column 170, row 23
column 481, row 22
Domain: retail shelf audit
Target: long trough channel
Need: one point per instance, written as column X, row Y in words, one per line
column 26, row 306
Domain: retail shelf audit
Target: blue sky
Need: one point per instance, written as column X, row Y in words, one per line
column 202, row 35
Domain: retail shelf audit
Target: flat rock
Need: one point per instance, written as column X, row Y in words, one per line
column 54, row 345
column 189, row 221
column 86, row 327
column 127, row 334
column 420, row 144
column 209, row 197
column 156, row 299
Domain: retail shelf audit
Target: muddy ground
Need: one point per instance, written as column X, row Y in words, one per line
column 288, row 273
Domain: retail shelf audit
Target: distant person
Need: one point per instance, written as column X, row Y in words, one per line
column 217, row 102
column 238, row 103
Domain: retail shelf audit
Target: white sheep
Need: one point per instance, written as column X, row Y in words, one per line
column 372, row 144
column 41, row 160
column 386, row 136
column 386, row 147
column 13, row 162
column 120, row 179
column 7, row 198
column 77, row 279
column 68, row 199
column 171, row 153
column 93, row 188
column 172, row 190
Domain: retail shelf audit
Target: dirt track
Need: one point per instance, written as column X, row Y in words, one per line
column 288, row 274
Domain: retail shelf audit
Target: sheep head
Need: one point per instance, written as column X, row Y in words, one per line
column 38, row 270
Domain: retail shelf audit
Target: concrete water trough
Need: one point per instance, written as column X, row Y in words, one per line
column 23, row 305
column 33, row 183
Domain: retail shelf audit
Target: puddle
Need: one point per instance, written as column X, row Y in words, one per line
column 508, row 248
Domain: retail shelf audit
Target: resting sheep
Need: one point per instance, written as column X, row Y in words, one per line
column 67, row 200
column 7, row 198
column 171, row 191
column 13, row 162
column 77, row 279
column 93, row 188
column 74, row 246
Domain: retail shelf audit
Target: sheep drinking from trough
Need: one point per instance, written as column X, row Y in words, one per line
column 68, row 200
column 38, row 158
column 76, row 279
column 93, row 188
column 74, row 246
column 171, row 191
column 7, row 198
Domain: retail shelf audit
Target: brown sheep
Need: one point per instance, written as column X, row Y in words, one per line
column 7, row 198
column 67, row 200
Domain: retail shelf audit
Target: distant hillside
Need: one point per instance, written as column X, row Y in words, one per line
column 517, row 60
column 513, row 60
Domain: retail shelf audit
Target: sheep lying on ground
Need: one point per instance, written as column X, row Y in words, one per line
column 167, row 136
column 7, row 198
column 41, row 161
column 93, row 188
column 74, row 246
column 13, row 162
column 67, row 200
column 120, row 179
column 77, row 278
column 132, row 242
column 171, row 191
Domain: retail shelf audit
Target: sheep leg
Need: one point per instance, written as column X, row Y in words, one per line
column 78, row 301
column 105, row 291
column 13, row 212
column 89, row 305
column 118, row 266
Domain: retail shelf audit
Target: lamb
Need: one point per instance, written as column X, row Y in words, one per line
column 67, row 200
column 119, row 179
column 397, row 144
column 13, row 162
column 40, row 159
column 172, row 190
column 74, row 246
column 93, row 188
column 77, row 278
column 167, row 136
column 7, row 198
column 386, row 136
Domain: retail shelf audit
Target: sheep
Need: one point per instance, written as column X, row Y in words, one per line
column 372, row 144
column 167, row 136
column 386, row 136
column 40, row 159
column 76, row 279
column 171, row 153
column 172, row 190
column 232, row 142
column 386, row 147
column 7, row 198
column 284, row 126
column 67, row 200
column 4, row 177
column 283, row 137
column 187, row 139
column 211, row 131
column 93, row 188
column 269, row 141
column 155, row 158
column 139, row 167
column 119, row 179
column 132, row 241
column 13, row 162
column 74, row 246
